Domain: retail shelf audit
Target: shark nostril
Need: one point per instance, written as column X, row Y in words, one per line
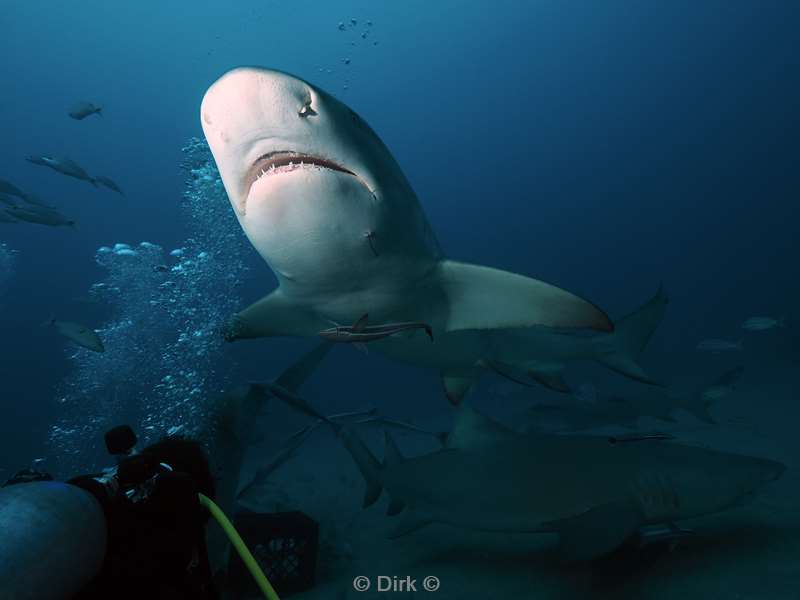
column 306, row 111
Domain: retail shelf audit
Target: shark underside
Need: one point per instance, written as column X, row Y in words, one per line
column 323, row 201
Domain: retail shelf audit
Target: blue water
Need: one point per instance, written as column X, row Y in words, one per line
column 604, row 147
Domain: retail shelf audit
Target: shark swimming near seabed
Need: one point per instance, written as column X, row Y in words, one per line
column 325, row 204
column 232, row 430
column 578, row 414
column 596, row 492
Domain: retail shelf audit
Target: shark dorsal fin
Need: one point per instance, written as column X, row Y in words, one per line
column 359, row 325
column 475, row 430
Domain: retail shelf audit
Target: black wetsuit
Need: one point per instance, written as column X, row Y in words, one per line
column 156, row 548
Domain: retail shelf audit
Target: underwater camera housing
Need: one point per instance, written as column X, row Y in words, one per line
column 120, row 441
column 134, row 476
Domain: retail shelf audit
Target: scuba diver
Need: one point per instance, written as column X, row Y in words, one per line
column 136, row 530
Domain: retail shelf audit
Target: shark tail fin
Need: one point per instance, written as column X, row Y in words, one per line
column 622, row 348
column 50, row 321
column 99, row 111
column 366, row 462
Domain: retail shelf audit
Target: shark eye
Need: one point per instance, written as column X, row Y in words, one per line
column 307, row 111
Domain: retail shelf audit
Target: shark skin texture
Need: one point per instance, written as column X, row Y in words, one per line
column 325, row 204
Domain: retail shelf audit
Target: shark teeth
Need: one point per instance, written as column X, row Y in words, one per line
column 285, row 161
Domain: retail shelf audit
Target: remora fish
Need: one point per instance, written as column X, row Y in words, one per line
column 282, row 146
column 7, row 187
column 595, row 492
column 575, row 415
column 717, row 346
column 291, row 445
column 360, row 332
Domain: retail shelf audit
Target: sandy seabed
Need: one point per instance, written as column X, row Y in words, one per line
column 746, row 553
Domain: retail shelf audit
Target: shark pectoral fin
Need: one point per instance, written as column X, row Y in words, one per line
column 410, row 521
column 456, row 385
column 271, row 316
column 361, row 347
column 485, row 298
column 596, row 532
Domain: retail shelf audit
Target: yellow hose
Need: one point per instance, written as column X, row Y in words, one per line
column 238, row 543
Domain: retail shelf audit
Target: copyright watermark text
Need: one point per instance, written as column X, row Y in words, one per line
column 393, row 583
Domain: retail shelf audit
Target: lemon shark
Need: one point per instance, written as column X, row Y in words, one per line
column 596, row 492
column 325, row 204
column 232, row 429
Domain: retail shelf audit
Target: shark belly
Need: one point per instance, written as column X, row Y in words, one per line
column 323, row 201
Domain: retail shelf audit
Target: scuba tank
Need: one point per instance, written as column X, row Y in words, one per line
column 52, row 540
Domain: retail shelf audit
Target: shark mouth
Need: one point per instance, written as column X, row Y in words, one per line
column 284, row 161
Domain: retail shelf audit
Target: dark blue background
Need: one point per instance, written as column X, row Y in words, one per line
column 605, row 147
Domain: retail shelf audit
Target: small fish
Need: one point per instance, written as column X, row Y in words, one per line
column 65, row 166
column 84, row 109
column 33, row 199
column 80, row 334
column 360, row 332
column 763, row 323
column 40, row 216
column 723, row 386
column 7, row 187
column 717, row 346
column 108, row 183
